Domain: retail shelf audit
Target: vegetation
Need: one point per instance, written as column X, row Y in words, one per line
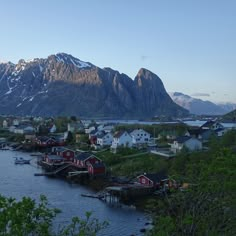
column 130, row 162
column 27, row 218
column 61, row 123
column 231, row 116
column 208, row 205
column 155, row 130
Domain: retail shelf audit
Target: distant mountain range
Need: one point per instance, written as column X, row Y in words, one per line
column 64, row 85
column 200, row 107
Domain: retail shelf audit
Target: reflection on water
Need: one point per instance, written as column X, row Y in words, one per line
column 19, row 180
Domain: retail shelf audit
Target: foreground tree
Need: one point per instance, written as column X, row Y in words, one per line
column 27, row 218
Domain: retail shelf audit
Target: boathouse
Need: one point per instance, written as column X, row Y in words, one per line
column 54, row 160
column 153, row 180
column 66, row 153
column 96, row 168
column 85, row 158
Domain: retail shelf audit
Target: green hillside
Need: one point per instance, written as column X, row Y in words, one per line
column 231, row 116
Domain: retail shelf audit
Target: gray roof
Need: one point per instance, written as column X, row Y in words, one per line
column 182, row 139
column 54, row 157
column 83, row 156
column 157, row 177
column 119, row 134
column 97, row 165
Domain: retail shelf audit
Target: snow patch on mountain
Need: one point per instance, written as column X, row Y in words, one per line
column 68, row 59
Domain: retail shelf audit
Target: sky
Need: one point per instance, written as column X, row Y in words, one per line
column 189, row 44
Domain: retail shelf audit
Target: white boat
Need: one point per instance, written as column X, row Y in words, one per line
column 21, row 161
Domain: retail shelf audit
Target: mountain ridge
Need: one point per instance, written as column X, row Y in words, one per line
column 64, row 85
column 201, row 107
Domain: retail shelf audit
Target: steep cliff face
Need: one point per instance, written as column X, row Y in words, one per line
column 151, row 95
column 64, row 85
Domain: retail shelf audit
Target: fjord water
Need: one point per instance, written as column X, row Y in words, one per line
column 19, row 180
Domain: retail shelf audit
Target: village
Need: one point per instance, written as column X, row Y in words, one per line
column 77, row 154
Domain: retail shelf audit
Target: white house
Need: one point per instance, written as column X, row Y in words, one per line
column 108, row 128
column 192, row 144
column 16, row 122
column 105, row 139
column 90, row 129
column 121, row 139
column 213, row 125
column 24, row 129
column 53, row 129
column 140, row 136
column 4, row 124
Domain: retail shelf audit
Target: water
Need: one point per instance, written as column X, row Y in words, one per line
column 189, row 122
column 19, row 180
column 201, row 122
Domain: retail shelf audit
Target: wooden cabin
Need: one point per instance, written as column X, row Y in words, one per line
column 85, row 158
column 96, row 168
column 66, row 153
column 54, row 160
column 153, row 180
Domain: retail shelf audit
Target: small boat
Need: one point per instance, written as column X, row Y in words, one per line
column 21, row 161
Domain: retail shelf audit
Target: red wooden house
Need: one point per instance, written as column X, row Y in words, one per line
column 97, row 168
column 43, row 141
column 54, row 159
column 85, row 158
column 66, row 153
column 153, row 180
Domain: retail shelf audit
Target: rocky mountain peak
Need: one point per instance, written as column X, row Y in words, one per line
column 63, row 84
column 148, row 79
column 70, row 60
column 146, row 74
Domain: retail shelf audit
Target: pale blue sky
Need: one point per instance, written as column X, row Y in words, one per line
column 189, row 44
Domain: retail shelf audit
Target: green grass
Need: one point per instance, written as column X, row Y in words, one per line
column 133, row 164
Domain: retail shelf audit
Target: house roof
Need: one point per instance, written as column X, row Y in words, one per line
column 101, row 135
column 208, row 124
column 97, row 165
column 135, row 131
column 118, row 134
column 83, row 156
column 54, row 157
column 219, row 130
column 43, row 138
column 93, row 132
column 197, row 131
column 182, row 139
column 59, row 149
column 156, row 177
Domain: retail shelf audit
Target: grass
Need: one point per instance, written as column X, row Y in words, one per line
column 133, row 164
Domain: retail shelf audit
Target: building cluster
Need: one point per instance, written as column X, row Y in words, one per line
column 84, row 161
column 103, row 135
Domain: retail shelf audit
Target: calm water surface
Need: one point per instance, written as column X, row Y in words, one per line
column 19, row 180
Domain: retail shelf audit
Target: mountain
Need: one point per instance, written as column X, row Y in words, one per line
column 229, row 117
column 198, row 106
column 227, row 106
column 64, row 85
